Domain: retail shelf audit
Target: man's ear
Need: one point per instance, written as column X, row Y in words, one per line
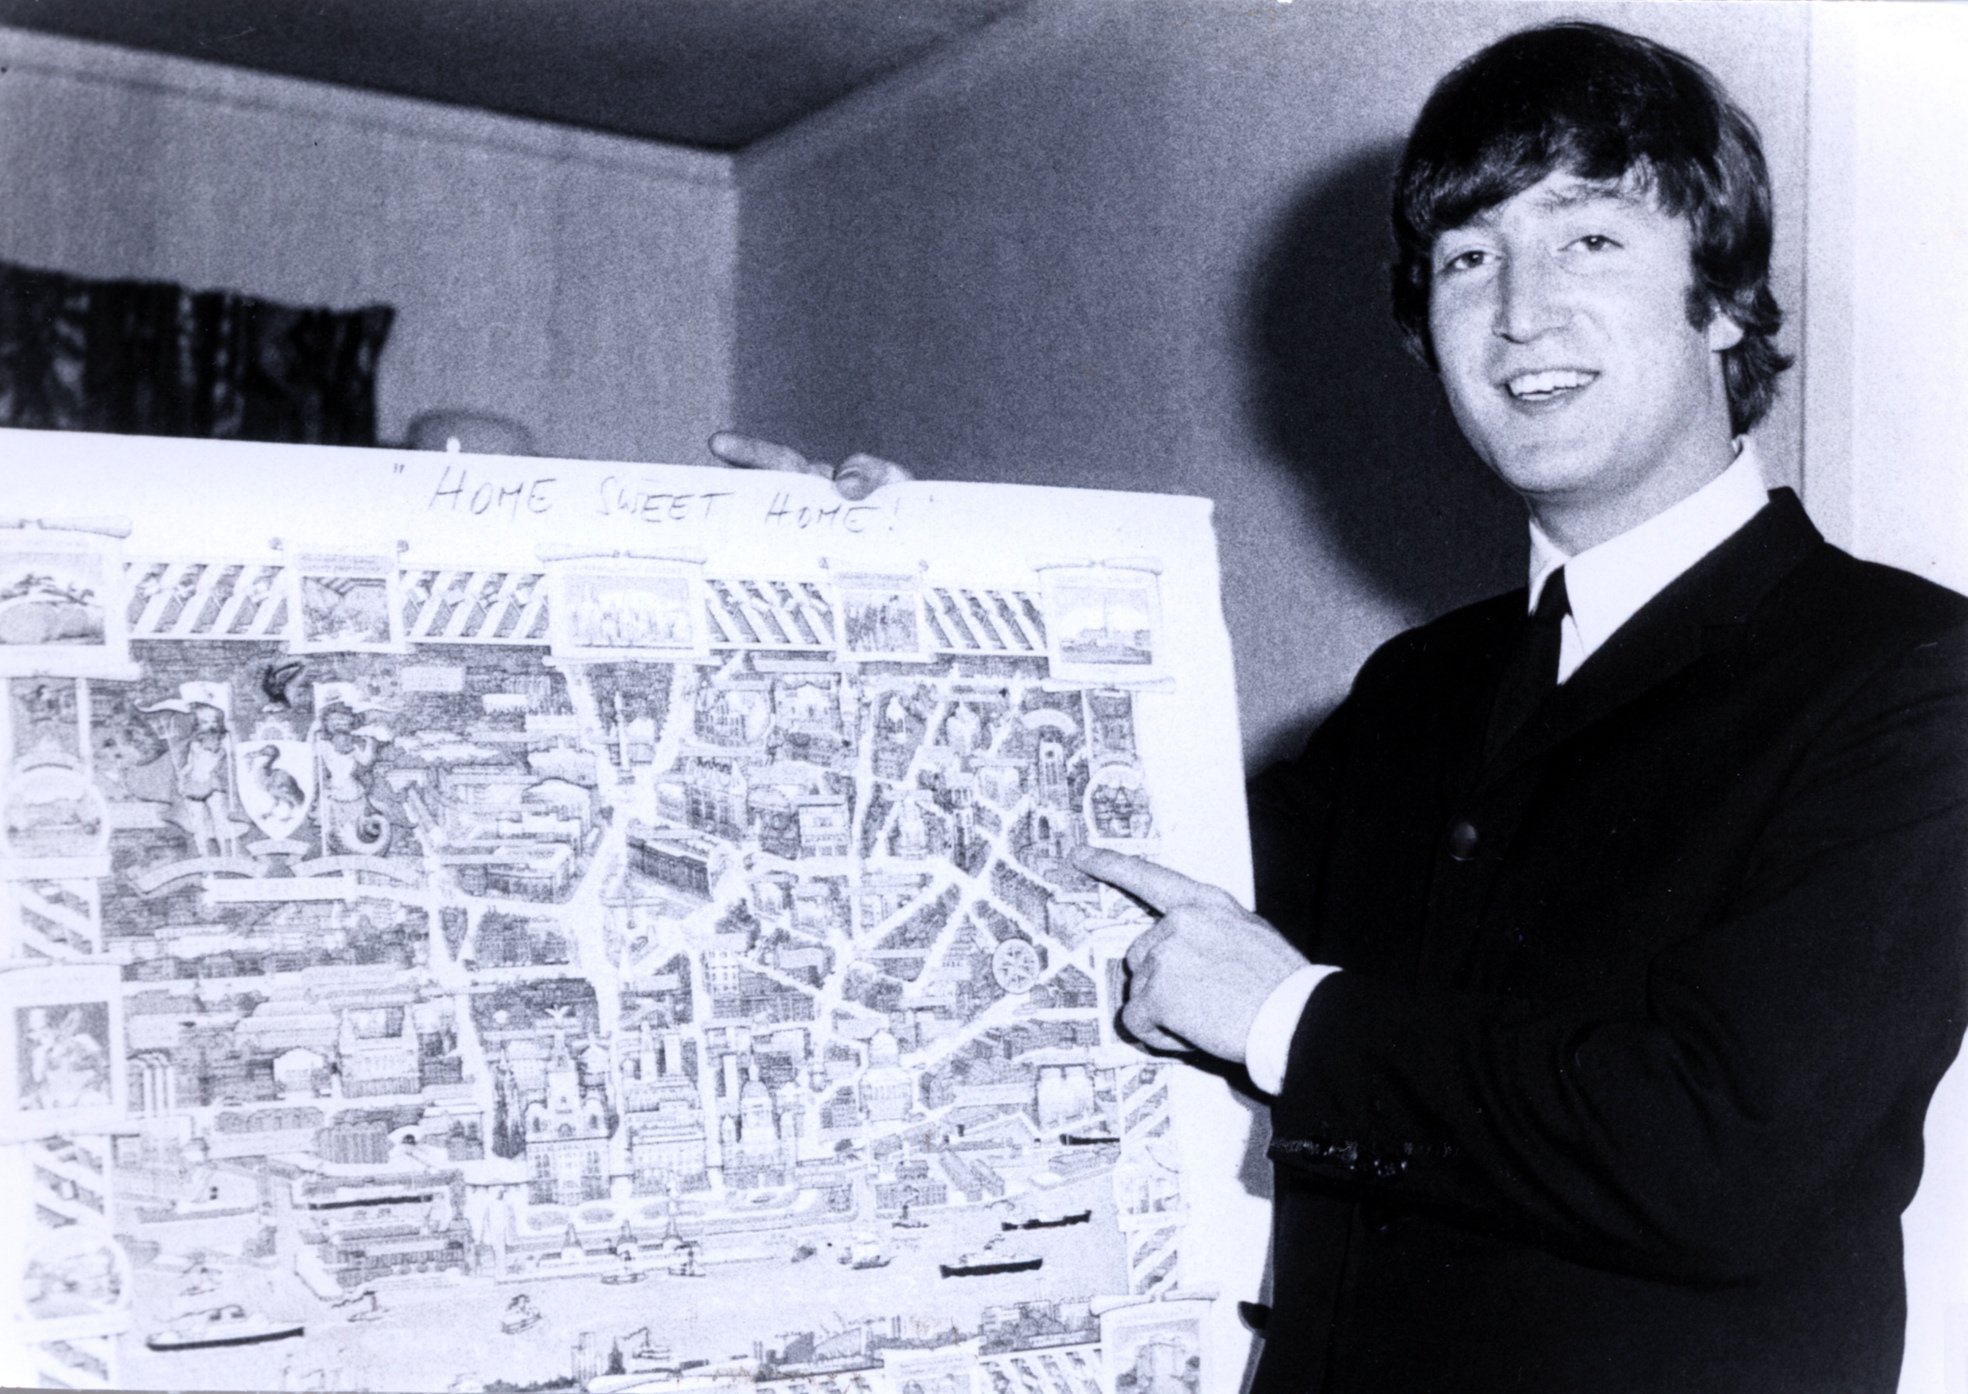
column 1723, row 332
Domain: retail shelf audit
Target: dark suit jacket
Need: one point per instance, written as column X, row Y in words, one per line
column 1622, row 1085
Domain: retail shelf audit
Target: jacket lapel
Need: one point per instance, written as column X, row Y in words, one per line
column 1700, row 610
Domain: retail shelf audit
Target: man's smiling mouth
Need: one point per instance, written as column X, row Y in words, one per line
column 1547, row 385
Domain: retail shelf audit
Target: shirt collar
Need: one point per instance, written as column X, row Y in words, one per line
column 1607, row 584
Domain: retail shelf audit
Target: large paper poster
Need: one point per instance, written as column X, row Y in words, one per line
column 478, row 923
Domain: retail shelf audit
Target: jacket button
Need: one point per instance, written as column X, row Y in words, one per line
column 1463, row 840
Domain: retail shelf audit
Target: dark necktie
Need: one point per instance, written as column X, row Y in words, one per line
column 1533, row 669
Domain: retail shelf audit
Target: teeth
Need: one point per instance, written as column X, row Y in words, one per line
column 1551, row 380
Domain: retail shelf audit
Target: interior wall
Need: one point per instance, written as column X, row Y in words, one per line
column 1889, row 229
column 1887, row 357
column 1141, row 244
column 577, row 282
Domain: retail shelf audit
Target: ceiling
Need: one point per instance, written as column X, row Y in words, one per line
column 717, row 74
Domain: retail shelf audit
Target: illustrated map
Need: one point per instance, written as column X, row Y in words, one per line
column 602, row 974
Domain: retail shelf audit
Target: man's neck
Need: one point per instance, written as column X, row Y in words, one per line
column 1579, row 522
column 1608, row 584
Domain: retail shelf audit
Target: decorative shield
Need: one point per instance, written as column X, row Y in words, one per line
column 276, row 784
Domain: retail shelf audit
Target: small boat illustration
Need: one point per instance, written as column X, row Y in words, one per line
column 230, row 1325
column 907, row 1221
column 1078, row 1217
column 520, row 1314
column 628, row 1272
column 364, row 1306
column 688, row 1268
column 199, row 1281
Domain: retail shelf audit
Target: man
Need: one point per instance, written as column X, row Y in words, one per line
column 1618, row 921
column 1617, row 949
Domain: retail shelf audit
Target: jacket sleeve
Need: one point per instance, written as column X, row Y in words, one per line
column 1776, row 1046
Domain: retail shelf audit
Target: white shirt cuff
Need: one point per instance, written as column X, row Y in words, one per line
column 1267, row 1049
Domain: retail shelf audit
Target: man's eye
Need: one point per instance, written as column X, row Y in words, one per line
column 1465, row 261
column 1596, row 242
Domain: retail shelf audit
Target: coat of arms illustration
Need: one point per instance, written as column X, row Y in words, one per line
column 276, row 784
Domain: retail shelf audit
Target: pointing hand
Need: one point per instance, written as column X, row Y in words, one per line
column 1197, row 977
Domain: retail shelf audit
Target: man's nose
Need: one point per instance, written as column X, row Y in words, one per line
column 1530, row 300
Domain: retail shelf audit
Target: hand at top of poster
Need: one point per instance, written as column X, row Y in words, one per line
column 856, row 477
column 1199, row 975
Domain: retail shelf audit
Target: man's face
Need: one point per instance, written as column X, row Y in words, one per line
column 1560, row 324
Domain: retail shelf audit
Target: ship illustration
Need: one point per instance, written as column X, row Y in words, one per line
column 520, row 1314
column 646, row 1353
column 864, row 1251
column 688, row 1268
column 988, row 1261
column 230, row 1325
column 1078, row 1217
column 1087, row 1139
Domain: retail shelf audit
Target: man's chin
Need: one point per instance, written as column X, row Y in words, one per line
column 1547, row 472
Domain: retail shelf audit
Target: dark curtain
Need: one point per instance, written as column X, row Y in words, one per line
column 151, row 358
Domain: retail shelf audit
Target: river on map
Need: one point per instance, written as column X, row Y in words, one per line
column 444, row 1335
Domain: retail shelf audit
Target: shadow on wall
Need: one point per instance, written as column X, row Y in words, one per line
column 1362, row 427
column 1384, row 473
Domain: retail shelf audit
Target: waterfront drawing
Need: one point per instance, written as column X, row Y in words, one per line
column 1104, row 620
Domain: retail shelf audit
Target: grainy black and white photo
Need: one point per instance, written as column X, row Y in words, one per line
column 992, row 697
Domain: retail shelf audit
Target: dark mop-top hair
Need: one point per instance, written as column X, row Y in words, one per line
column 1605, row 106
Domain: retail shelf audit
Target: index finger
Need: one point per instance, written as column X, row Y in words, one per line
column 1162, row 889
column 749, row 452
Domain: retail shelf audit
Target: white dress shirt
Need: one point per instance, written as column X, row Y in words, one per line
column 1606, row 586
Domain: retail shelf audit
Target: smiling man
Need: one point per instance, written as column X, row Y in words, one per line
column 1612, row 936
